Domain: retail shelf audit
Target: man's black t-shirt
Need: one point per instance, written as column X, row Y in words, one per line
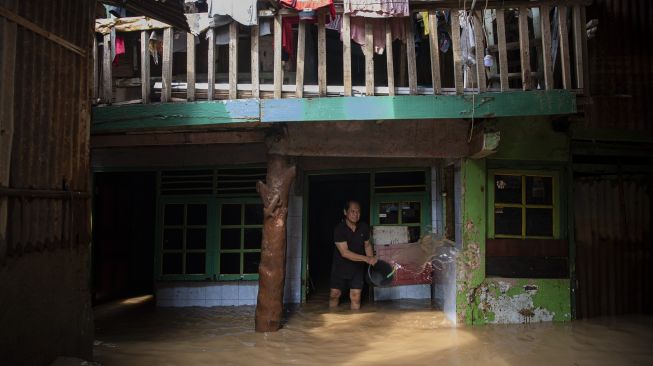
column 343, row 267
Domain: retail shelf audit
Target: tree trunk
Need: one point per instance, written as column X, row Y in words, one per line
column 274, row 195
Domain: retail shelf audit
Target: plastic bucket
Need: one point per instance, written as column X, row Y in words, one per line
column 381, row 274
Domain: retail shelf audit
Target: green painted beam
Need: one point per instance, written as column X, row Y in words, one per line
column 509, row 104
column 484, row 105
column 163, row 115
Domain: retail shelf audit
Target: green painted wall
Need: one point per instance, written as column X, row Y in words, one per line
column 530, row 139
column 525, row 144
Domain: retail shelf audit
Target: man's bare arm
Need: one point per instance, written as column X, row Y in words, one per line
column 346, row 253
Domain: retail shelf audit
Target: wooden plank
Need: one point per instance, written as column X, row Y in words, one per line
column 457, row 55
column 563, row 34
column 166, row 66
column 435, row 52
column 321, row 55
column 410, row 54
column 531, row 103
column 503, row 53
column 369, row 57
column 107, row 81
column 389, row 58
column 190, row 67
column 233, row 60
column 537, row 34
column 255, row 61
column 41, row 32
column 346, row 54
column 524, row 48
column 210, row 93
column 278, row 72
column 145, row 67
column 301, row 51
column 480, row 50
column 96, row 77
column 7, row 74
column 139, row 116
column 488, row 19
column 547, row 61
column 580, row 34
column 178, row 138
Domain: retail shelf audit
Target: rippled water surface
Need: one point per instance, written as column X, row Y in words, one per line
column 134, row 332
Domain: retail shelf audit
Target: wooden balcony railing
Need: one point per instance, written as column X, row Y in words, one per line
column 534, row 45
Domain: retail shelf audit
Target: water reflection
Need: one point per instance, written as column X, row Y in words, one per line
column 406, row 332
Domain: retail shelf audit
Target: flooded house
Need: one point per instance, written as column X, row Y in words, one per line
column 202, row 153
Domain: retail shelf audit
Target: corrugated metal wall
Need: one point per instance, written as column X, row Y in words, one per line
column 621, row 56
column 46, row 126
column 613, row 241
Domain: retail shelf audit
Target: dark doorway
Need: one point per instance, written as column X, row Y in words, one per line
column 124, row 206
column 327, row 196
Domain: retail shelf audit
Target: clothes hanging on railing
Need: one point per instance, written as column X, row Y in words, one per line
column 287, row 23
column 244, row 12
column 357, row 29
column 376, row 12
column 376, row 8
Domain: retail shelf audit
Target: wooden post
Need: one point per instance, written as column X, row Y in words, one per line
column 7, row 74
column 480, row 50
column 107, row 87
column 255, row 60
column 369, row 57
column 145, row 67
column 524, row 48
column 346, row 55
column 435, row 52
column 96, row 79
column 389, row 57
column 547, row 61
column 563, row 33
column 278, row 76
column 457, row 56
column 166, row 67
column 503, row 53
column 190, row 67
column 321, row 56
column 233, row 60
column 410, row 54
column 274, row 194
column 301, row 51
column 210, row 92
column 579, row 35
column 488, row 16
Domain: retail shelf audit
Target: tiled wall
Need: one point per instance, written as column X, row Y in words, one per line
column 231, row 293
column 402, row 292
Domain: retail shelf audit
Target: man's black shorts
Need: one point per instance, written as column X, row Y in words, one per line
column 353, row 281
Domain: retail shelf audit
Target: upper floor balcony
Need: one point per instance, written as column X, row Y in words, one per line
column 490, row 59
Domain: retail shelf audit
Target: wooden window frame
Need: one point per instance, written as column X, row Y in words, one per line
column 555, row 202
column 242, row 202
column 210, row 238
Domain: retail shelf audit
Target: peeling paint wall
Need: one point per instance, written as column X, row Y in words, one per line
column 470, row 265
column 481, row 300
column 505, row 300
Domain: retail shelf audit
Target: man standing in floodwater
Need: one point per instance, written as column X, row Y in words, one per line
column 352, row 240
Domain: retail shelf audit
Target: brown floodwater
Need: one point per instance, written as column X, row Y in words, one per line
column 134, row 332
